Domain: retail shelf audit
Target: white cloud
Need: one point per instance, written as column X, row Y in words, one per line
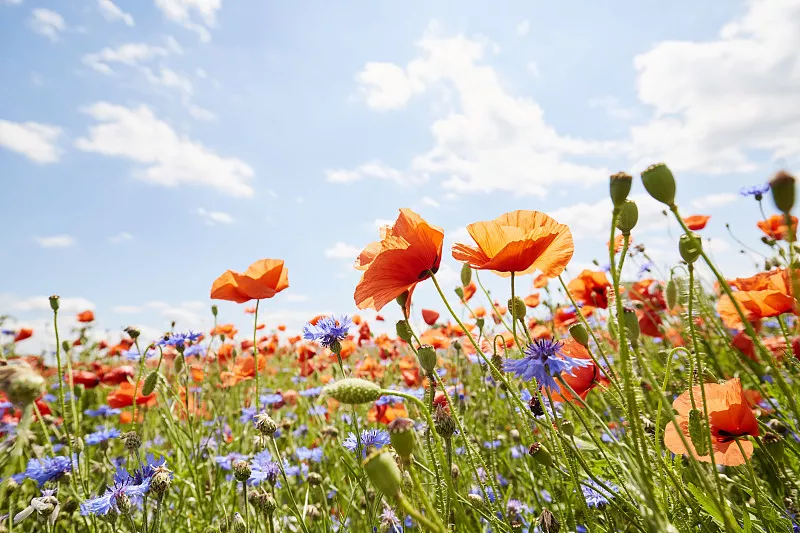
column 47, row 23
column 42, row 303
column 714, row 200
column 112, row 12
column 593, row 221
column 130, row 54
column 427, row 200
column 523, row 27
column 486, row 139
column 297, row 297
column 182, row 12
column 612, row 107
column 32, row 139
column 127, row 309
column 55, row 241
column 120, row 238
column 169, row 79
column 374, row 169
column 214, row 217
column 168, row 158
column 342, row 250
column 191, row 314
column 716, row 102
column 198, row 113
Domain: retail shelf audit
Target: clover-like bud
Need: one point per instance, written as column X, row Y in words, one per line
column 353, row 391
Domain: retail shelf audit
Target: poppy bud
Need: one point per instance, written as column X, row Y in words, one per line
column 443, row 423
column 466, row 275
column 353, row 391
column 660, row 183
column 401, row 434
column 460, row 293
column 383, row 473
column 631, row 324
column 54, row 303
column 672, row 293
column 578, row 332
column 540, row 454
column 548, row 522
column 265, row 424
column 782, row 187
column 456, row 344
column 480, row 322
column 214, row 310
column 690, row 246
column 517, row 307
column 427, row 358
column 567, row 428
column 238, row 524
column 401, row 300
column 697, row 432
column 150, row 383
column 774, row 445
column 619, row 187
column 65, row 346
column 404, row 330
column 628, row 217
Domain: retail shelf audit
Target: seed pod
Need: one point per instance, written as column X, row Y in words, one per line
column 660, row 183
column 619, row 187
column 150, row 383
column 627, row 218
column 383, row 473
column 426, row 355
column 690, row 246
column 241, row 470
column 402, row 436
column 54, row 304
column 782, row 187
column 265, row 424
column 631, row 325
column 466, row 275
column 353, row 391
column 540, row 454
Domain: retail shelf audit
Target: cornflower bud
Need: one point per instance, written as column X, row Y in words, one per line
column 265, row 424
column 241, row 471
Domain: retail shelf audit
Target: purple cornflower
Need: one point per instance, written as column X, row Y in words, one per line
column 248, row 414
column 645, row 269
column 305, row 454
column 103, row 410
column 271, row 399
column 757, row 191
column 264, row 469
column 328, row 331
column 124, row 485
column 179, row 340
column 48, row 468
column 310, row 393
column 134, row 355
column 543, row 360
column 597, row 497
column 101, row 434
column 374, row 438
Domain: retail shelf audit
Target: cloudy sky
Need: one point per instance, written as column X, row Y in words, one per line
column 147, row 146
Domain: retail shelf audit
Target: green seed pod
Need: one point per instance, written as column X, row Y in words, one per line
column 54, row 304
column 466, row 275
column 660, row 183
column 782, row 187
column 150, row 383
column 697, row 432
column 567, row 428
column 402, row 436
column 383, row 473
column 619, row 188
column 353, row 391
column 672, row 293
column 426, row 355
column 460, row 293
column 403, row 330
column 517, row 307
column 540, row 454
column 578, row 332
column 631, row 324
column 774, row 445
column 690, row 246
column 628, row 217
column 480, row 323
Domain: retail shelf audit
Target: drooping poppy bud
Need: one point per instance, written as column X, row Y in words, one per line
column 427, row 358
column 672, row 293
column 782, row 187
column 466, row 275
column 517, row 307
column 579, row 333
column 697, row 432
column 660, row 183
column 403, row 330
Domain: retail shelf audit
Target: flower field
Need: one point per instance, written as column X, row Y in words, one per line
column 586, row 403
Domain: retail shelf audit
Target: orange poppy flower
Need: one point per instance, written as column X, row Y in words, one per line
column 369, row 368
column 429, row 316
column 729, row 416
column 755, row 304
column 532, row 300
column 435, row 338
column 22, row 334
column 479, row 312
column 86, row 316
column 775, row 227
column 619, row 242
column 519, row 241
column 583, row 379
column 540, row 281
column 540, row 331
column 263, row 279
column 385, row 413
column 225, row 330
column 469, row 291
column 696, row 222
column 123, row 396
column 405, row 255
column 243, row 369
column 590, row 288
column 225, row 353
column 777, row 280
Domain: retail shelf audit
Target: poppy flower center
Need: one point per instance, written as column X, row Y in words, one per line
column 726, row 436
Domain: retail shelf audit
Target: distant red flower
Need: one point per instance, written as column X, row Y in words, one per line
column 590, row 288
column 86, row 316
column 83, row 377
column 118, row 375
column 22, row 334
column 696, row 222
column 123, row 396
column 429, row 316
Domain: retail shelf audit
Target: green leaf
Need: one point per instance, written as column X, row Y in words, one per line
column 710, row 507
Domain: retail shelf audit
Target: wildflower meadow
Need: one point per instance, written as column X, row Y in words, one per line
column 589, row 402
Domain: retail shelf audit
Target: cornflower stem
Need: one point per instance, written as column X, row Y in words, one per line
column 255, row 354
column 419, row 517
column 246, row 507
column 292, row 501
column 726, row 288
column 61, row 401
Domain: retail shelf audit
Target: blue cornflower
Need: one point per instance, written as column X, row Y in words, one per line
column 101, row 434
column 263, row 468
column 248, row 414
column 103, row 410
column 757, row 191
column 305, row 454
column 48, row 468
column 295, row 470
column 194, row 349
column 134, row 355
column 311, row 393
column 645, row 269
column 179, row 340
column 301, row 430
column 492, row 444
column 317, row 410
column 543, row 360
column 389, row 521
column 387, row 400
column 271, row 399
column 328, row 330
column 596, row 496
column 124, row 484
column 375, row 438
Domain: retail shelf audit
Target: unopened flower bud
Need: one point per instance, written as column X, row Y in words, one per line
column 241, row 470
column 353, row 391
column 404, row 330
column 548, row 522
column 476, row 500
column 628, row 217
column 265, row 424
column 782, row 187
column 690, row 246
column 269, row 504
column 401, row 301
column 460, row 293
column 150, row 383
column 54, row 304
column 631, row 324
column 214, row 310
column 402, row 436
column 161, row 480
column 383, row 473
column 540, row 454
column 517, row 307
column 672, row 293
column 123, row 503
column 567, row 428
column 660, row 183
column 132, row 332
column 579, row 333
column 427, row 358
column 480, row 323
column 444, row 423
column 466, row 275
column 21, row 384
column 619, row 188
column 314, row 479
column 132, row 440
column 455, row 472
column 238, row 525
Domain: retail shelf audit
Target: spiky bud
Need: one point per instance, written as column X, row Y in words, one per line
column 466, row 275
column 690, row 246
column 426, row 355
column 782, row 187
column 383, row 473
column 548, row 522
column 314, row 479
column 540, row 454
column 660, row 183
column 238, row 525
column 150, row 383
column 161, row 480
column 353, row 391
column 265, row 424
column 631, row 325
column 402, row 436
column 517, row 307
column 132, row 441
column 579, row 333
column 619, row 187
column 241, row 470
column 269, row 504
column 444, row 423
column 697, row 432
column 627, row 218
column 123, row 503
column 404, row 330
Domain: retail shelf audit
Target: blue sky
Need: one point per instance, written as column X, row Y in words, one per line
column 145, row 147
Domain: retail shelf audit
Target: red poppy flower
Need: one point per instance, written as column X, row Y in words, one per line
column 532, row 300
column 118, row 375
column 263, row 279
column 123, row 396
column 22, row 334
column 696, row 222
column 83, row 377
column 429, row 316
column 590, row 288
column 86, row 316
column 583, row 379
column 775, row 227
